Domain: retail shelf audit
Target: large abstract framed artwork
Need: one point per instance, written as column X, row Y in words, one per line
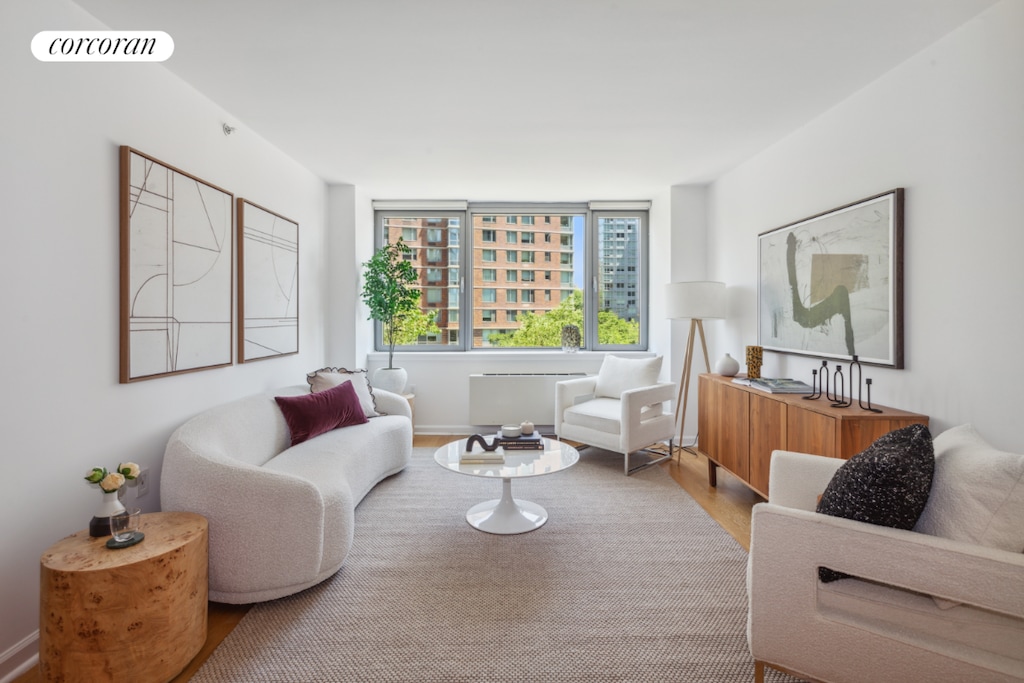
column 268, row 283
column 177, row 267
column 831, row 285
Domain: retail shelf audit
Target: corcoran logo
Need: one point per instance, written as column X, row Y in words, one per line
column 102, row 46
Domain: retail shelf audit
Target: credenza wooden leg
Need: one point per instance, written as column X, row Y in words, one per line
column 712, row 473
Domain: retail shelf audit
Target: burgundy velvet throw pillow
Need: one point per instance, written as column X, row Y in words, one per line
column 310, row 415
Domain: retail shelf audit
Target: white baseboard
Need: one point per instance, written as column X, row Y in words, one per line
column 19, row 658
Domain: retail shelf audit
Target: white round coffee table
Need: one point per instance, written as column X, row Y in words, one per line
column 508, row 515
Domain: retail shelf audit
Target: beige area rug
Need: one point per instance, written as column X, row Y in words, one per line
column 629, row 580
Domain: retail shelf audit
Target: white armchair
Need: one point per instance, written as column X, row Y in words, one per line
column 923, row 608
column 620, row 409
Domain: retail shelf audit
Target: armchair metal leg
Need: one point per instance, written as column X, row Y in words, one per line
column 660, row 457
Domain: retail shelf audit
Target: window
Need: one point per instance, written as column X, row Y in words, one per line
column 597, row 274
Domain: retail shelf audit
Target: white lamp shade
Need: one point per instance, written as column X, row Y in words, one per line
column 695, row 300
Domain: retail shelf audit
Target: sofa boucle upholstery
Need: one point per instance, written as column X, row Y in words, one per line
column 281, row 517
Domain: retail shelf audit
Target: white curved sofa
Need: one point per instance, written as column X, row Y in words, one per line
column 281, row 517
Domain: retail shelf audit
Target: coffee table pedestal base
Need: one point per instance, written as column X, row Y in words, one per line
column 506, row 515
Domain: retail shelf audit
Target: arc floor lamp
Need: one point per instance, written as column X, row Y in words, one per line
column 697, row 301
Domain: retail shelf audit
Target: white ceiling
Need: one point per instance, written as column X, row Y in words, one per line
column 531, row 99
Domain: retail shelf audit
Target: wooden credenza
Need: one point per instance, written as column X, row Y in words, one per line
column 739, row 427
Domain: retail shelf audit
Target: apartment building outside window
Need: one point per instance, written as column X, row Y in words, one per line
column 591, row 260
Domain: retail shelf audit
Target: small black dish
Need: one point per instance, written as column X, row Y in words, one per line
column 137, row 537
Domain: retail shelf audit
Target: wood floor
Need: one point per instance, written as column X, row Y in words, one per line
column 729, row 504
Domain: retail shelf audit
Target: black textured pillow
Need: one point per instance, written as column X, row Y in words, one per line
column 887, row 484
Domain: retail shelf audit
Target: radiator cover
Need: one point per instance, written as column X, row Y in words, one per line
column 510, row 398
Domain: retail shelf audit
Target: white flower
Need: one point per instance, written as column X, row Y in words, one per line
column 129, row 469
column 112, row 482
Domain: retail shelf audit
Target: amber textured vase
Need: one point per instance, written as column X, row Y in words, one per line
column 754, row 355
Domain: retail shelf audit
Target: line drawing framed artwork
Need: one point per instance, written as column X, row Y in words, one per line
column 831, row 286
column 268, row 283
column 177, row 270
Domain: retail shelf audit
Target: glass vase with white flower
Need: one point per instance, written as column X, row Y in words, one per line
column 110, row 482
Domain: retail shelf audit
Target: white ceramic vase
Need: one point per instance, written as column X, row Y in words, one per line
column 99, row 525
column 727, row 366
column 390, row 379
column 111, row 505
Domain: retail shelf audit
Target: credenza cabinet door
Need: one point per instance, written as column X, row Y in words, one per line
column 810, row 432
column 724, row 423
column 768, row 430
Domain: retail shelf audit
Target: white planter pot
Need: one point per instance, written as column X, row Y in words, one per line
column 390, row 379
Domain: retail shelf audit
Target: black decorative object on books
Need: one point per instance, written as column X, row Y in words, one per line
column 524, row 443
column 476, row 438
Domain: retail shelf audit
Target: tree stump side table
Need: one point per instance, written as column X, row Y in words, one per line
column 131, row 614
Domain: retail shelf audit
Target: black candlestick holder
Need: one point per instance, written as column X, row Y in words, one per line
column 855, row 365
column 815, row 387
column 839, row 400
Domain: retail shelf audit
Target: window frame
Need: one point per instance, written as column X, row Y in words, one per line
column 466, row 247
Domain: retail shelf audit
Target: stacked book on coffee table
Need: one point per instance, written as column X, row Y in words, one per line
column 523, row 442
column 479, row 456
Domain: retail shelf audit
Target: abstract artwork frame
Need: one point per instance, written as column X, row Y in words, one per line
column 268, row 283
column 177, row 270
column 831, row 286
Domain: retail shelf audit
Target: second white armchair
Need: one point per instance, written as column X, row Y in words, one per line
column 621, row 409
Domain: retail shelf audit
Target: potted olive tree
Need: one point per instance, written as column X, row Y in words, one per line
column 388, row 291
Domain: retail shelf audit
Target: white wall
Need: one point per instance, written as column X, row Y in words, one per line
column 947, row 125
column 689, row 249
column 64, row 409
